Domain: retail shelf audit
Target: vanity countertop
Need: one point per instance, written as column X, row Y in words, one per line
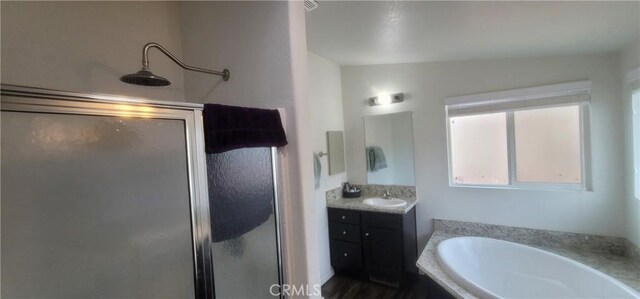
column 408, row 193
column 617, row 266
column 358, row 204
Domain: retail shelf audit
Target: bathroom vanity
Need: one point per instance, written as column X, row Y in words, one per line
column 373, row 245
column 373, row 236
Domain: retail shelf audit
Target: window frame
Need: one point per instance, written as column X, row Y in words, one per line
column 513, row 183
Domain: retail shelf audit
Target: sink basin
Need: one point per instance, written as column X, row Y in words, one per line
column 385, row 203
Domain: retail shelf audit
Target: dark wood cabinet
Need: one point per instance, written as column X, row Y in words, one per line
column 345, row 232
column 376, row 246
column 383, row 254
column 346, row 258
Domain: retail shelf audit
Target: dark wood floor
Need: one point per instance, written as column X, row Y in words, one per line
column 346, row 288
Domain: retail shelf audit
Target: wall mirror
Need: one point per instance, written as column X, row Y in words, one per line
column 335, row 144
column 389, row 149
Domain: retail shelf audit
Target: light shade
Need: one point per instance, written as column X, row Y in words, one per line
column 385, row 99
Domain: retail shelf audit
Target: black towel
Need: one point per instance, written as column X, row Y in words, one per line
column 229, row 127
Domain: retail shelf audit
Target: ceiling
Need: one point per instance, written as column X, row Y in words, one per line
column 360, row 33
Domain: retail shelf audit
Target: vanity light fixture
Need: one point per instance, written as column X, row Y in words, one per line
column 385, row 99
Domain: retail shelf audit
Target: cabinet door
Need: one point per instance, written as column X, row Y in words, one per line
column 346, row 257
column 383, row 254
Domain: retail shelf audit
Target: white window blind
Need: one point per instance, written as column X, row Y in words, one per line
column 520, row 99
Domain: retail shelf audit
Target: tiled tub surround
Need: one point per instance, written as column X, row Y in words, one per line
column 606, row 254
column 408, row 193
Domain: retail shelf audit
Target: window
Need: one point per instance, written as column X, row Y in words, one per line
column 547, row 145
column 636, row 141
column 479, row 149
column 531, row 138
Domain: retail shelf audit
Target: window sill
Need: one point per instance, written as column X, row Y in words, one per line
column 526, row 187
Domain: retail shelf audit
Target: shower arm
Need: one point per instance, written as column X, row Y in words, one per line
column 145, row 61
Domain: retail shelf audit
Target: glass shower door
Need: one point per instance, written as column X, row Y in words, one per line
column 97, row 206
column 242, row 199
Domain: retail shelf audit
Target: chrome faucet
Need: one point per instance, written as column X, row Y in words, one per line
column 386, row 194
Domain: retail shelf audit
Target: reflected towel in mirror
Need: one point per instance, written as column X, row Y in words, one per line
column 375, row 158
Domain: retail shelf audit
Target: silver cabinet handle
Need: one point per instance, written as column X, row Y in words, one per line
column 345, row 254
column 344, row 232
column 366, row 234
column 344, row 217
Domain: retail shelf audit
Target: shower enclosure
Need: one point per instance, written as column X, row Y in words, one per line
column 107, row 197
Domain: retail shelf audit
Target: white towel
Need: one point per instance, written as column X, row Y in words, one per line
column 317, row 170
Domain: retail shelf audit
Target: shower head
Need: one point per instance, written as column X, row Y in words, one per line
column 145, row 78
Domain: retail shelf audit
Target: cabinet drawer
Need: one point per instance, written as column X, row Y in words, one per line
column 346, row 257
column 385, row 220
column 344, row 216
column 345, row 232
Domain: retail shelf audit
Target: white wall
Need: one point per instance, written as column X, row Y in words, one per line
column 88, row 46
column 428, row 84
column 629, row 59
column 263, row 44
column 325, row 102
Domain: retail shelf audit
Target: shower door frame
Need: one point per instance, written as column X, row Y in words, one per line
column 16, row 98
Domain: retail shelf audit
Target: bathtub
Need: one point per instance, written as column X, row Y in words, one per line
column 490, row 268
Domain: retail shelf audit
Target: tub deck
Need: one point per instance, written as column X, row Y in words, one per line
column 615, row 265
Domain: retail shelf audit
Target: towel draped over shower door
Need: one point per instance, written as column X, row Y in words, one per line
column 239, row 145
